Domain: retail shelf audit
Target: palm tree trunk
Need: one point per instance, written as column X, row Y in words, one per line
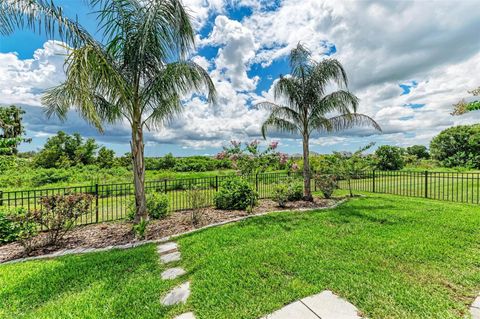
column 139, row 172
column 307, row 192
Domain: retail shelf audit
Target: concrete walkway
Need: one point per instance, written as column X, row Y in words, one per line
column 475, row 308
column 325, row 305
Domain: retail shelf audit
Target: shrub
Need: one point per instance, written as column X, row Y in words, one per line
column 280, row 194
column 50, row 176
column 59, row 213
column 198, row 202
column 157, row 205
column 419, row 151
column 140, row 229
column 327, row 184
column 457, row 146
column 23, row 228
column 389, row 158
column 235, row 193
column 11, row 229
column 295, row 189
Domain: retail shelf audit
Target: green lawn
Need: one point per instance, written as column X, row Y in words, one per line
column 393, row 257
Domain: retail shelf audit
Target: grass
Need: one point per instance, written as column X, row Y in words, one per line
column 392, row 257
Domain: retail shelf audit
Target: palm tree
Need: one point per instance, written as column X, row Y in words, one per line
column 138, row 73
column 305, row 104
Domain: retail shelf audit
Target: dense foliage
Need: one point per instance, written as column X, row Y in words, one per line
column 389, row 158
column 289, row 190
column 64, row 150
column 235, row 193
column 458, row 146
column 11, row 129
column 157, row 205
column 249, row 158
column 419, row 151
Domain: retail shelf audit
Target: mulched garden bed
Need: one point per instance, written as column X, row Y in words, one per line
column 118, row 233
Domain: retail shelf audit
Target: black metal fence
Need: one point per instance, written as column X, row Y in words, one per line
column 448, row 186
column 113, row 201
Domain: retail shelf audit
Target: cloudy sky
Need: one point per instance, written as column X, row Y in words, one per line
column 407, row 61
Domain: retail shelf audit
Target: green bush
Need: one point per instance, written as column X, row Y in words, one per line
column 389, row 158
column 326, row 183
column 50, row 176
column 295, row 189
column 9, row 229
column 157, row 205
column 457, row 146
column 235, row 193
column 280, row 194
column 18, row 225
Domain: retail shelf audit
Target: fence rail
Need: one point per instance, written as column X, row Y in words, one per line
column 112, row 201
column 448, row 186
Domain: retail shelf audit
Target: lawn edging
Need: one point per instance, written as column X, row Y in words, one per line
column 82, row 250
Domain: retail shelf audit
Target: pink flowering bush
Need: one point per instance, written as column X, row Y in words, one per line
column 248, row 158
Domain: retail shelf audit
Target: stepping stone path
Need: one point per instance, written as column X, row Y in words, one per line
column 173, row 273
column 325, row 305
column 475, row 308
column 168, row 254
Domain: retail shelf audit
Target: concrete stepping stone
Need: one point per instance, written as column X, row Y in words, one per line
column 187, row 315
column 170, row 257
column 327, row 305
column 167, row 248
column 293, row 310
column 173, row 273
column 177, row 295
column 475, row 308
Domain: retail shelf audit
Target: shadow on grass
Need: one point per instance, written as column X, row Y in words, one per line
column 117, row 281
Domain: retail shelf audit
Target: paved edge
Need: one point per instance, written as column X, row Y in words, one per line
column 76, row 251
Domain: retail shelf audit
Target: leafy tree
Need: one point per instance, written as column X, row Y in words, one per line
column 303, row 103
column 352, row 165
column 139, row 73
column 420, row 151
column 463, row 107
column 250, row 159
column 389, row 158
column 63, row 150
column 11, row 129
column 105, row 158
column 457, row 146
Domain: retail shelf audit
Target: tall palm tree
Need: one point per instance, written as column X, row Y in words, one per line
column 304, row 103
column 138, row 73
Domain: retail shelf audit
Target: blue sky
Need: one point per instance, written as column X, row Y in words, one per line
column 407, row 74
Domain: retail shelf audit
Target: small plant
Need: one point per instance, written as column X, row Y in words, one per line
column 157, row 205
column 140, row 229
column 327, row 183
column 24, row 226
column 235, row 193
column 295, row 189
column 198, row 202
column 281, row 194
column 59, row 213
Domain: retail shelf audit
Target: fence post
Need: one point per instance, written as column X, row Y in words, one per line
column 165, row 186
column 96, row 203
column 256, row 181
column 426, row 184
column 1, row 198
column 373, row 181
column 216, row 183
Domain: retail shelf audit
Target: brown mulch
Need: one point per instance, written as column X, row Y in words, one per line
column 118, row 233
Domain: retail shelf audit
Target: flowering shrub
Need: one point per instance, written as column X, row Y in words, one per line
column 59, row 213
column 327, row 184
column 248, row 159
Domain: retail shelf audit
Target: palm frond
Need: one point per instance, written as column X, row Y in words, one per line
column 350, row 120
column 92, row 84
column 42, row 16
column 278, row 124
column 326, row 71
column 300, row 61
column 341, row 101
